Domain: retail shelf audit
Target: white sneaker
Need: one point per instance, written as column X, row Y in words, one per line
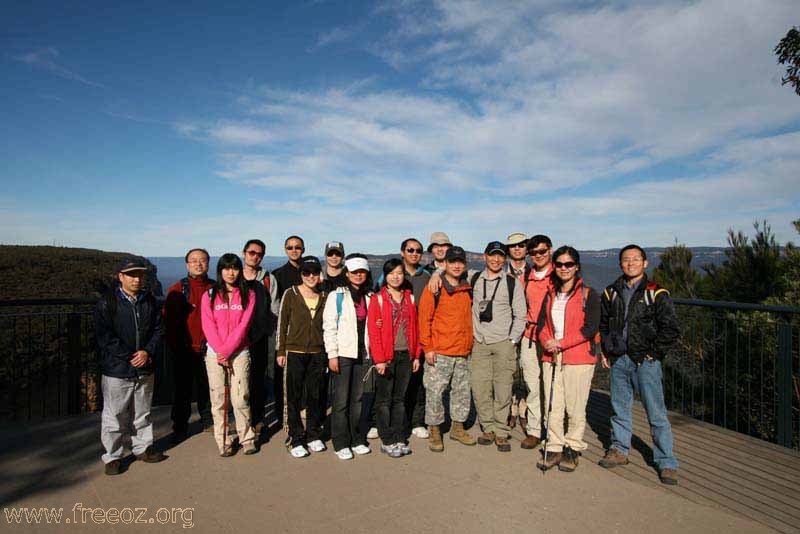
column 361, row 450
column 373, row 433
column 391, row 450
column 299, row 452
column 404, row 449
column 345, row 454
column 316, row 446
column 421, row 432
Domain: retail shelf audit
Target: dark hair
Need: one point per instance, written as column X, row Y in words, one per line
column 572, row 253
column 406, row 241
column 632, row 247
column 302, row 243
column 225, row 261
column 538, row 239
column 255, row 242
column 389, row 266
column 366, row 287
column 204, row 251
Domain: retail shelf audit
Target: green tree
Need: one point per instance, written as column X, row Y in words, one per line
column 753, row 270
column 788, row 52
column 675, row 272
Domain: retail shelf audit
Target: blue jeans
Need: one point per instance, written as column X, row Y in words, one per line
column 645, row 379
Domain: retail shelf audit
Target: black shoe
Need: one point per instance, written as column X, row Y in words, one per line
column 114, row 467
column 151, row 456
column 179, row 436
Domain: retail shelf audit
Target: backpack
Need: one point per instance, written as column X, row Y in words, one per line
column 263, row 277
column 651, row 291
column 511, row 282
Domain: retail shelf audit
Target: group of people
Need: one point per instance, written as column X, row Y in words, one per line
column 393, row 347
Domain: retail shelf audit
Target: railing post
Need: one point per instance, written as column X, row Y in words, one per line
column 73, row 363
column 783, row 384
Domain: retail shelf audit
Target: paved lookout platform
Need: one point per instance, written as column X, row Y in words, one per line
column 728, row 482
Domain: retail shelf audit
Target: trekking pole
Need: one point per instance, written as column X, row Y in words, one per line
column 556, row 363
column 225, row 407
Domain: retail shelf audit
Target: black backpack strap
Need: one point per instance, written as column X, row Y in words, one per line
column 185, row 288
column 511, row 281
column 474, row 280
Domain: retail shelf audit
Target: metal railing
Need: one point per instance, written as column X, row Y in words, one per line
column 48, row 360
column 737, row 366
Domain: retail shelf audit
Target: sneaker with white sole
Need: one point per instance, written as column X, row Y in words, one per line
column 404, row 449
column 345, row 454
column 299, row 452
column 361, row 450
column 317, row 446
column 421, row 432
column 391, row 450
column 373, row 433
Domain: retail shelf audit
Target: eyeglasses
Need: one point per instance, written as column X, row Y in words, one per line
column 414, row 250
column 538, row 251
column 294, row 247
column 334, row 253
column 518, row 245
column 254, row 253
column 632, row 260
column 565, row 264
column 308, row 273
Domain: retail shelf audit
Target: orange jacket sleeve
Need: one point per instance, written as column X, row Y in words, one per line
column 426, row 310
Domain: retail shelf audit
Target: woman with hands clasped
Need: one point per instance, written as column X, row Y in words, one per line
column 394, row 345
column 225, row 313
column 568, row 326
column 344, row 322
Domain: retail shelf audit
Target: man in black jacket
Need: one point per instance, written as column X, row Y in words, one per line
column 129, row 333
column 638, row 326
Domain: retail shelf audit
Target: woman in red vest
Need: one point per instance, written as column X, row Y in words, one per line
column 568, row 324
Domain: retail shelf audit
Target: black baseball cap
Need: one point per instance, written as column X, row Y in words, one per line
column 310, row 264
column 494, row 247
column 132, row 264
column 456, row 254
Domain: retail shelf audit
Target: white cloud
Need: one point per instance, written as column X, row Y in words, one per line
column 45, row 58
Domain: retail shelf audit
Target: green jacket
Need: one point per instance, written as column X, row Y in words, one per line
column 297, row 330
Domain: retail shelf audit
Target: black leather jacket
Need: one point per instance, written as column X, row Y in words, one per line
column 123, row 328
column 652, row 324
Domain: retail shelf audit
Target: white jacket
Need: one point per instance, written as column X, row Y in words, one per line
column 341, row 333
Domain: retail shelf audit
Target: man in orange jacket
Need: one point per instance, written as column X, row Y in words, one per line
column 445, row 328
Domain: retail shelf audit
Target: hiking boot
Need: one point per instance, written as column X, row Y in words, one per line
column 435, row 443
column 669, row 477
column 530, row 442
column 550, row 460
column 151, row 456
column 613, row 458
column 458, row 433
column 250, row 448
column 228, row 452
column 114, row 467
column 502, row 444
column 487, row 438
column 569, row 461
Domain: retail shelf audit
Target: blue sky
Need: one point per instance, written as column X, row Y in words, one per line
column 154, row 129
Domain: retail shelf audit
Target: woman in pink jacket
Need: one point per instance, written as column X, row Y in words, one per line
column 226, row 311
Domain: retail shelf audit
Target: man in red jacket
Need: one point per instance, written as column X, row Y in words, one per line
column 187, row 344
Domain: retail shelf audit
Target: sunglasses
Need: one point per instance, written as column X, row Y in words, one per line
column 294, row 247
column 564, row 265
column 538, row 251
column 334, row 253
column 414, row 250
column 518, row 245
column 308, row 273
column 254, row 253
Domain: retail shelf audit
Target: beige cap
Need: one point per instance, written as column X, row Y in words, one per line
column 439, row 238
column 516, row 237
